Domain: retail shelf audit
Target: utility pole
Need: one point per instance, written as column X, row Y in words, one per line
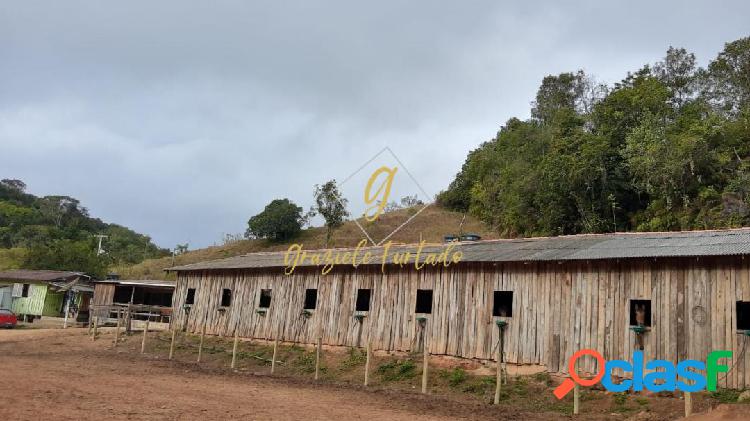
column 100, row 250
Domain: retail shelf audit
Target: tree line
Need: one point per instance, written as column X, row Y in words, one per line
column 667, row 148
column 56, row 232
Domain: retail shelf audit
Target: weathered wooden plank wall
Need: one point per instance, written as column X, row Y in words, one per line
column 558, row 308
column 104, row 295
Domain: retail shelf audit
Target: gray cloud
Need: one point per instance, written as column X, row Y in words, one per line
column 182, row 120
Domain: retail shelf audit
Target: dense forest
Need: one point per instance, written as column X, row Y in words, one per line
column 667, row 148
column 56, row 232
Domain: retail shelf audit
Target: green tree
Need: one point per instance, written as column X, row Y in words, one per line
column 727, row 83
column 78, row 256
column 331, row 205
column 280, row 220
column 666, row 148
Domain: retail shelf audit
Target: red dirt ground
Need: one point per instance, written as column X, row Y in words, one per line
column 63, row 375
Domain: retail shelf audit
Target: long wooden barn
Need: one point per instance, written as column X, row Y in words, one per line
column 688, row 291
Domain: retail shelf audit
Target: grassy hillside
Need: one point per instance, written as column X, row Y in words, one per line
column 431, row 225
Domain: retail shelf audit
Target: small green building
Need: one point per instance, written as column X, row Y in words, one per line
column 37, row 293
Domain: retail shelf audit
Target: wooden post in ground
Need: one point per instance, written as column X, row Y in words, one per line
column 200, row 344
column 317, row 357
column 91, row 319
column 499, row 379
column 234, row 348
column 367, row 362
column 143, row 342
column 128, row 317
column 425, row 364
column 117, row 329
column 576, row 399
column 688, row 404
column 96, row 323
column 275, row 352
column 171, row 346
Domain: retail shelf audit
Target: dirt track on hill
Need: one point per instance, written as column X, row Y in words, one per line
column 63, row 375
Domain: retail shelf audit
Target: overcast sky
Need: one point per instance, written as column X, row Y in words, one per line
column 182, row 119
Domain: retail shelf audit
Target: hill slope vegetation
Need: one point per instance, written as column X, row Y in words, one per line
column 56, row 232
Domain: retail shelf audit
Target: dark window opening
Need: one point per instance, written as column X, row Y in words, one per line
column 502, row 305
column 190, row 299
column 640, row 313
column 311, row 299
column 424, row 301
column 25, row 290
column 226, row 297
column 363, row 300
column 743, row 315
column 265, row 298
column 123, row 294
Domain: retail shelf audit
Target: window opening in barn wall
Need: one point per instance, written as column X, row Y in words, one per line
column 265, row 298
column 743, row 315
column 640, row 313
column 424, row 301
column 502, row 305
column 25, row 290
column 226, row 297
column 363, row 299
column 311, row 299
column 190, row 299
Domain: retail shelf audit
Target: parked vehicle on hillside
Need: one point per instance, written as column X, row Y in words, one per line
column 7, row 318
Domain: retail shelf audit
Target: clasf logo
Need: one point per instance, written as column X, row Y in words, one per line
column 682, row 376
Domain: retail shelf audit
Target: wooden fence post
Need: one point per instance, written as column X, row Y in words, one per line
column 128, row 317
column 425, row 363
column 688, row 404
column 91, row 319
column 96, row 323
column 171, row 346
column 117, row 329
column 317, row 358
column 200, row 344
column 275, row 351
column 499, row 379
column 576, row 399
column 234, row 348
column 367, row 362
column 143, row 343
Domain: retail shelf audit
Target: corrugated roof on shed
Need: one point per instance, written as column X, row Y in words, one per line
column 140, row 282
column 574, row 247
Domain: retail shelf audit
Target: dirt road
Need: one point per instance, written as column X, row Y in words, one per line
column 62, row 375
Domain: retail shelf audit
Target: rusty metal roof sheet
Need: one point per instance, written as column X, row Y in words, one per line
column 564, row 248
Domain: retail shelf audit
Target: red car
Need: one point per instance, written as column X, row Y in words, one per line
column 7, row 318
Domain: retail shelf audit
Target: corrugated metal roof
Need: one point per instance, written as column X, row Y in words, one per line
column 39, row 275
column 563, row 248
column 140, row 282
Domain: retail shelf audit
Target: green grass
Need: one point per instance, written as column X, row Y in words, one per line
column 726, row 395
column 397, row 370
column 455, row 377
column 355, row 357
